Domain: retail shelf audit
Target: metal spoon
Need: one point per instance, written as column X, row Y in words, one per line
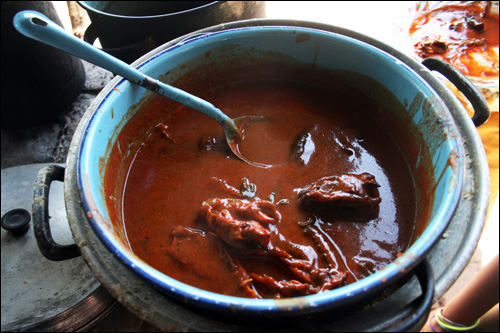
column 37, row 26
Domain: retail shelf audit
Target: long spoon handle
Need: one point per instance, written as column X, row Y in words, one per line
column 37, row 26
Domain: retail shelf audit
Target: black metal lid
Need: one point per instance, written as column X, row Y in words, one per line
column 16, row 221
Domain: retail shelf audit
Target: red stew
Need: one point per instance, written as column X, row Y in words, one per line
column 465, row 35
column 337, row 205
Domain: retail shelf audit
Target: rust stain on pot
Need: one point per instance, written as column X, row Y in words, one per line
column 302, row 37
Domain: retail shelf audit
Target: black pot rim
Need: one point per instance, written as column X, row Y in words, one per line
column 93, row 10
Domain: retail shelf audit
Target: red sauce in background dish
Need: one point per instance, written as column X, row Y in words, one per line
column 193, row 211
column 465, row 35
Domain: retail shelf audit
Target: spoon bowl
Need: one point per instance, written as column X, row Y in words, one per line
column 38, row 27
column 234, row 141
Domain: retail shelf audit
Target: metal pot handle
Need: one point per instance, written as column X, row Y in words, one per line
column 412, row 316
column 416, row 312
column 40, row 213
column 465, row 86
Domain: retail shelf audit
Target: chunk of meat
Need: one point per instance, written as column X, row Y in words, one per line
column 243, row 227
column 283, row 288
column 294, row 288
column 347, row 197
column 239, row 222
column 186, row 243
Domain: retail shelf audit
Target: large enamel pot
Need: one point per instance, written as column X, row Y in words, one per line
column 434, row 119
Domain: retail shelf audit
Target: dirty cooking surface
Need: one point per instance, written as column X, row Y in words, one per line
column 195, row 212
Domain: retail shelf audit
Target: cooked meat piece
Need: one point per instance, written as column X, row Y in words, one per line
column 431, row 47
column 188, row 244
column 283, row 288
column 243, row 227
column 240, row 223
column 347, row 197
column 294, row 288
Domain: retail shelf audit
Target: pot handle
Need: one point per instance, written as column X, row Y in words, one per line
column 465, row 86
column 409, row 318
column 414, row 315
column 40, row 212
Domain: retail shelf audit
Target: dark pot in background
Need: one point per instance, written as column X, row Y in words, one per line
column 129, row 29
column 39, row 82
